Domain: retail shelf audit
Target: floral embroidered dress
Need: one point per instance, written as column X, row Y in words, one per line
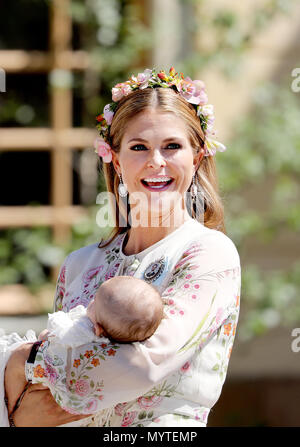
column 175, row 377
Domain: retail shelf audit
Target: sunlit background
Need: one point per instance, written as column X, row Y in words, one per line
column 58, row 61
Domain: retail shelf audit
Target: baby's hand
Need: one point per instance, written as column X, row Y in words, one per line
column 43, row 335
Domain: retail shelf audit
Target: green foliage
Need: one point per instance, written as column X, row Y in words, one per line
column 230, row 37
column 26, row 256
column 266, row 145
column 265, row 149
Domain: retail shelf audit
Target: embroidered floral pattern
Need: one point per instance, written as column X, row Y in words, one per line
column 206, row 301
column 60, row 288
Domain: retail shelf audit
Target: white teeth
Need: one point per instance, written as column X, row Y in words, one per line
column 160, row 180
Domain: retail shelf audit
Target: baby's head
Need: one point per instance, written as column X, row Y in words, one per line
column 126, row 309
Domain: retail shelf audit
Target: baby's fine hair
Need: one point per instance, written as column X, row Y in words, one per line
column 137, row 316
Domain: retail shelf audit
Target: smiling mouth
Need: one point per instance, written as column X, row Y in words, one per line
column 157, row 186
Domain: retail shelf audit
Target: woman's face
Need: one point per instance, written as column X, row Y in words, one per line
column 156, row 144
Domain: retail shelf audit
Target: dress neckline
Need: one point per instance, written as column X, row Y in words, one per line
column 142, row 253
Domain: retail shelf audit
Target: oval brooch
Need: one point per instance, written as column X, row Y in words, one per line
column 154, row 270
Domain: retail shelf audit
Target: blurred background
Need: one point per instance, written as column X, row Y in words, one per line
column 58, row 61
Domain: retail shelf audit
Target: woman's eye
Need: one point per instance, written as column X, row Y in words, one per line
column 173, row 146
column 138, row 147
column 142, row 147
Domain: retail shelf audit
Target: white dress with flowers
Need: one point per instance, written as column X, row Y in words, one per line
column 175, row 377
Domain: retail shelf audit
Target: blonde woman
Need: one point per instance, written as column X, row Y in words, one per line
column 158, row 152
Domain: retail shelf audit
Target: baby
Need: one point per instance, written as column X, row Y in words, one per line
column 125, row 309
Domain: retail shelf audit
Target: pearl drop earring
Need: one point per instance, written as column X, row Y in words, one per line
column 122, row 188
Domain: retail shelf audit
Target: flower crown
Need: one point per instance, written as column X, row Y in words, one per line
column 191, row 91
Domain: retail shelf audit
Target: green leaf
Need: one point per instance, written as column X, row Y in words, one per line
column 186, row 345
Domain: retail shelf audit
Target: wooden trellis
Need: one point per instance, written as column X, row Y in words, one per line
column 60, row 139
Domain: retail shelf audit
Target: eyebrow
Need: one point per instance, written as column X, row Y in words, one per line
column 164, row 141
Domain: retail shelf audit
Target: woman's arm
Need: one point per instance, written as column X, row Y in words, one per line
column 14, row 379
column 39, row 409
column 200, row 296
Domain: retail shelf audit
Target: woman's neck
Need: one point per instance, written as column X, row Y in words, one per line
column 139, row 237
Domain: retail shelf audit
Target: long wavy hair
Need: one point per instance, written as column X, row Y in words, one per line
column 165, row 100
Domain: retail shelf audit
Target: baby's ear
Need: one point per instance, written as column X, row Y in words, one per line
column 99, row 331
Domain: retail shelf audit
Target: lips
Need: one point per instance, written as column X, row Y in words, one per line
column 156, row 186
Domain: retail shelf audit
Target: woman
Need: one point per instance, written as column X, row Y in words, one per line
column 157, row 149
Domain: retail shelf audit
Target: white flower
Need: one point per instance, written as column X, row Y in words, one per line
column 212, row 146
column 143, row 78
column 108, row 114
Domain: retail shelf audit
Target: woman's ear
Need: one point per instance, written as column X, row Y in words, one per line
column 198, row 158
column 115, row 161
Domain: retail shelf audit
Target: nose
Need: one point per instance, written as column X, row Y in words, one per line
column 156, row 159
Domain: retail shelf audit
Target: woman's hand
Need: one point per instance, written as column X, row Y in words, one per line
column 14, row 379
column 39, row 409
column 43, row 335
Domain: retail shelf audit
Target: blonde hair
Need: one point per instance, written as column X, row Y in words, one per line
column 169, row 101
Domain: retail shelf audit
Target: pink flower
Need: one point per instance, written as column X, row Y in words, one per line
column 120, row 90
column 91, row 274
column 60, row 292
column 103, row 149
column 143, row 78
column 185, row 367
column 91, row 406
column 193, row 91
column 82, row 387
column 119, row 408
column 108, row 114
column 128, row 419
column 116, row 93
column 51, row 373
column 148, row 402
column 62, row 275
